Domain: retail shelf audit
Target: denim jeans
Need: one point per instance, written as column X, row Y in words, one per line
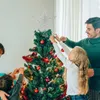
column 93, row 95
column 78, row 97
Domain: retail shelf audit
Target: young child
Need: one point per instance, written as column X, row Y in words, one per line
column 76, row 62
column 6, row 84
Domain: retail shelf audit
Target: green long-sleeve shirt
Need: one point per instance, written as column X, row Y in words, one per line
column 92, row 47
column 14, row 92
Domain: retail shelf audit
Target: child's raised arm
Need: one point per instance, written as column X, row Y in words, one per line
column 58, row 51
column 65, row 47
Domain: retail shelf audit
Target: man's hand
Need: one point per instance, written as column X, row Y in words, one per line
column 63, row 39
column 3, row 95
column 90, row 72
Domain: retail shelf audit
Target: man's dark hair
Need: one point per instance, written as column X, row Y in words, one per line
column 2, row 48
column 95, row 21
column 6, row 81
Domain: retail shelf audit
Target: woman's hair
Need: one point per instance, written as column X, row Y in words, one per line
column 6, row 82
column 81, row 60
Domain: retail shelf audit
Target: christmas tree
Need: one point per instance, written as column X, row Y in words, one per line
column 44, row 70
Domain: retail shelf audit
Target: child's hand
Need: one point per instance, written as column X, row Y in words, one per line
column 52, row 39
column 16, row 71
column 21, row 70
column 3, row 95
column 57, row 37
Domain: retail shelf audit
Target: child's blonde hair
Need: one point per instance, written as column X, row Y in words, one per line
column 81, row 60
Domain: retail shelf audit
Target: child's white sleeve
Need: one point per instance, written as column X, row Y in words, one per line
column 65, row 47
column 60, row 55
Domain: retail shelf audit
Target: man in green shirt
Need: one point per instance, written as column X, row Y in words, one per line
column 92, row 47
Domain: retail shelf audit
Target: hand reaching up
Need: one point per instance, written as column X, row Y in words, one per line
column 63, row 39
column 52, row 39
column 16, row 71
column 3, row 95
column 21, row 70
column 56, row 37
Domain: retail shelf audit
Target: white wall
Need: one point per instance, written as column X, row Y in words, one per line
column 18, row 20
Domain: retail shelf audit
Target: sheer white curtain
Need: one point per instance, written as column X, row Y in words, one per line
column 68, row 20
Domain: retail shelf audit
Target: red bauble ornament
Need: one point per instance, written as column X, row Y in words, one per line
column 62, row 50
column 51, row 52
column 44, row 89
column 22, row 91
column 46, row 60
column 34, row 53
column 38, row 67
column 61, row 64
column 42, row 41
column 56, row 70
column 23, row 94
column 47, row 79
column 29, row 67
column 55, row 56
column 36, row 90
column 25, row 97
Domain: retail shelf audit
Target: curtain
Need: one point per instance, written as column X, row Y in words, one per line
column 68, row 18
